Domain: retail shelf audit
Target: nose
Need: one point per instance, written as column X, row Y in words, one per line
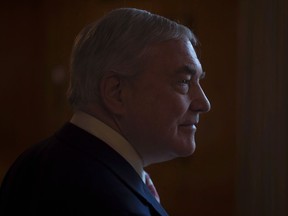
column 199, row 101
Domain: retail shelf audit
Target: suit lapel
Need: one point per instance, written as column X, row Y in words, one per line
column 88, row 143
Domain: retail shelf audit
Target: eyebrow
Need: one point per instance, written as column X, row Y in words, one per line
column 190, row 70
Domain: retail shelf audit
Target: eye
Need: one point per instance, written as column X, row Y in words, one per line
column 185, row 82
column 183, row 85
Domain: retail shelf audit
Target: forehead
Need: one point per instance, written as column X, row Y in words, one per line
column 172, row 56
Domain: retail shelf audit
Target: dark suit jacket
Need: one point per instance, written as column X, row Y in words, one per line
column 74, row 173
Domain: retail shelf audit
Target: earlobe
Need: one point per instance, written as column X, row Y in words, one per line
column 111, row 87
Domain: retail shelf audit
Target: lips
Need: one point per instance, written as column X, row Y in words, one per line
column 189, row 121
column 187, row 124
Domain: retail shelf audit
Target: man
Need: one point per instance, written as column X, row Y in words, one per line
column 135, row 88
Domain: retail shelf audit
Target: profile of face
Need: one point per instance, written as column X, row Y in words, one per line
column 164, row 102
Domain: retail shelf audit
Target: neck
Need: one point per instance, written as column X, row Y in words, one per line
column 103, row 115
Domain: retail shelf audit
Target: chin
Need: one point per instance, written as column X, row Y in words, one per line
column 186, row 150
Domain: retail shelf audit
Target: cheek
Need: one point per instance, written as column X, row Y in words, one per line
column 158, row 107
column 167, row 116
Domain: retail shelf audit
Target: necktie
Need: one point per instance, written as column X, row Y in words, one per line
column 150, row 185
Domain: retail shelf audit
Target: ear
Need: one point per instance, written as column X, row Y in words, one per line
column 111, row 89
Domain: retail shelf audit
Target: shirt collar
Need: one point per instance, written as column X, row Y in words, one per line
column 111, row 137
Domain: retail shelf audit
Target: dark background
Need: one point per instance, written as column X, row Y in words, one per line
column 35, row 43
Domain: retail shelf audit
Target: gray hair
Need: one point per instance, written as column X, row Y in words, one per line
column 117, row 42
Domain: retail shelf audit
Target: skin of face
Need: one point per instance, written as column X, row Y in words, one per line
column 163, row 104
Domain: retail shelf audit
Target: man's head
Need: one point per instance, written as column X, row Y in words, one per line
column 142, row 70
column 118, row 42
